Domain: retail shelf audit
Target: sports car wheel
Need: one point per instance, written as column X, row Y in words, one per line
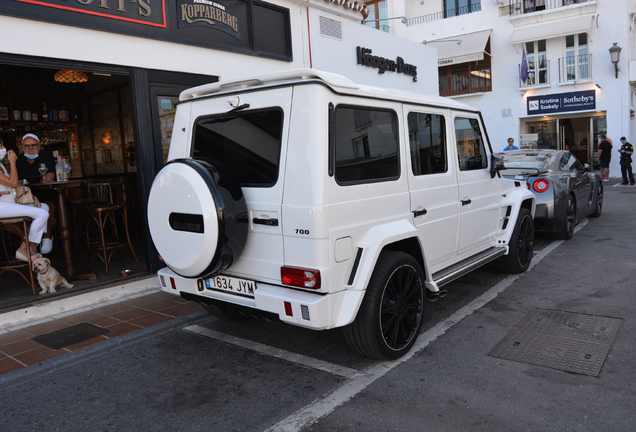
column 390, row 317
column 521, row 245
column 569, row 220
column 599, row 201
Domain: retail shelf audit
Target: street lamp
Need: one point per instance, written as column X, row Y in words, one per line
column 615, row 54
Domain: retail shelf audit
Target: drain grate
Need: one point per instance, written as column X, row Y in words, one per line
column 69, row 336
column 567, row 341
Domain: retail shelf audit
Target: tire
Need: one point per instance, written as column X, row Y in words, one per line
column 569, row 220
column 520, row 247
column 390, row 316
column 197, row 217
column 598, row 208
column 225, row 313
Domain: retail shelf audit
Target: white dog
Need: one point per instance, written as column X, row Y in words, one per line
column 48, row 277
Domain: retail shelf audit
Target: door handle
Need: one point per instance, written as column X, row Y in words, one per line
column 269, row 222
column 418, row 213
column 465, row 202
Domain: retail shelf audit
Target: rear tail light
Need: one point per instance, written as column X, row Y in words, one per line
column 541, row 185
column 160, row 258
column 300, row 277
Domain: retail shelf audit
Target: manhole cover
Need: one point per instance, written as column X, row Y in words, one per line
column 567, row 341
column 70, row 336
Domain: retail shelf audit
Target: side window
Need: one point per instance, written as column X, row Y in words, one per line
column 471, row 150
column 366, row 145
column 427, row 139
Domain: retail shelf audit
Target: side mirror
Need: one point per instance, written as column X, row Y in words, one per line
column 496, row 165
column 586, row 168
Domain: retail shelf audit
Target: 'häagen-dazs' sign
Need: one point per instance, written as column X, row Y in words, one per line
column 208, row 13
column 385, row 65
column 562, row 102
column 148, row 12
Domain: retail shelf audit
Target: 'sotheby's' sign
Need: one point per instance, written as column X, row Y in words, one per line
column 207, row 13
column 385, row 65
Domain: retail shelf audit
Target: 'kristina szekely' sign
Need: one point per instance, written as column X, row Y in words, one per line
column 365, row 58
column 562, row 102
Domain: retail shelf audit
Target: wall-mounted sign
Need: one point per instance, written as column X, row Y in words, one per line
column 461, row 59
column 252, row 27
column 210, row 14
column 366, row 58
column 562, row 102
column 137, row 11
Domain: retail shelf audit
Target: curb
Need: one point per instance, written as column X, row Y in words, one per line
column 28, row 373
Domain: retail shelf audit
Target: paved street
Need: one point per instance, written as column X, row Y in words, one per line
column 210, row 375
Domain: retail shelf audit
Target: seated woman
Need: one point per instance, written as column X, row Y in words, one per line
column 9, row 209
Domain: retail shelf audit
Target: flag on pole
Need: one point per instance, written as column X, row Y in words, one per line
column 524, row 66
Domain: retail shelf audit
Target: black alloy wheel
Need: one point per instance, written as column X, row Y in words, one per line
column 390, row 317
column 599, row 201
column 569, row 221
column 521, row 245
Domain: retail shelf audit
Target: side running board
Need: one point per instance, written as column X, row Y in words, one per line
column 458, row 270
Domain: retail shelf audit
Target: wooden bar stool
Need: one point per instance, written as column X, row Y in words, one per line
column 104, row 216
column 19, row 226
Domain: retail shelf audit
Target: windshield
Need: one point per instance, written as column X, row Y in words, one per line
column 525, row 160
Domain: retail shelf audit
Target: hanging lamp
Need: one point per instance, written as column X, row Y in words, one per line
column 70, row 76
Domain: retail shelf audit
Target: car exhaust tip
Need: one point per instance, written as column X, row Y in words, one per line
column 437, row 295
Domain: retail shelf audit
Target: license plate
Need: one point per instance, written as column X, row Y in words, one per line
column 241, row 287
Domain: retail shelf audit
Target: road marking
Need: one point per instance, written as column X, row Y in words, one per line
column 324, row 406
column 275, row 352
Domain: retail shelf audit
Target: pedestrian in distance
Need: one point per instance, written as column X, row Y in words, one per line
column 511, row 145
column 604, row 156
column 626, row 151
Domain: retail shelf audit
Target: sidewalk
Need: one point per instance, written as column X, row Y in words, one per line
column 136, row 316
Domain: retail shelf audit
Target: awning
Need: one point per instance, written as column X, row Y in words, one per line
column 551, row 29
column 471, row 48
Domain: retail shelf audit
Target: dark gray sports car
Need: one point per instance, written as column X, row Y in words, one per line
column 566, row 191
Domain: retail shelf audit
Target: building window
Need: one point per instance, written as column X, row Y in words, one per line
column 377, row 13
column 576, row 65
column 464, row 78
column 460, row 7
column 537, row 63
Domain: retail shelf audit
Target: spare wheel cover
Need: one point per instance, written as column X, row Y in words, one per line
column 198, row 227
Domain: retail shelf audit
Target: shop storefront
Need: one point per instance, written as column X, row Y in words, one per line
column 565, row 121
column 111, row 114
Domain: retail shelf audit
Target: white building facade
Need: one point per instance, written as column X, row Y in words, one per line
column 568, row 92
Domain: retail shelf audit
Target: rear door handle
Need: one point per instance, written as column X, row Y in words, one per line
column 418, row 213
column 269, row 222
column 465, row 202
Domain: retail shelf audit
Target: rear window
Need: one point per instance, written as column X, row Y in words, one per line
column 366, row 147
column 248, row 143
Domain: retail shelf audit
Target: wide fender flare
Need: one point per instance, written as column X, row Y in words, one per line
column 516, row 199
column 372, row 244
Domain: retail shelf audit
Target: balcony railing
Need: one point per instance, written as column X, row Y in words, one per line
column 449, row 13
column 575, row 68
column 465, row 83
column 519, row 7
column 538, row 74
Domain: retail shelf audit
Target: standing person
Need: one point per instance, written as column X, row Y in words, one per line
column 28, row 165
column 511, row 145
column 626, row 152
column 9, row 209
column 604, row 156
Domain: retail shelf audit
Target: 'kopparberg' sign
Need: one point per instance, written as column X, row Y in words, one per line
column 562, row 102
column 208, row 13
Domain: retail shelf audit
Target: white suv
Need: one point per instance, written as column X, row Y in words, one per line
column 305, row 197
